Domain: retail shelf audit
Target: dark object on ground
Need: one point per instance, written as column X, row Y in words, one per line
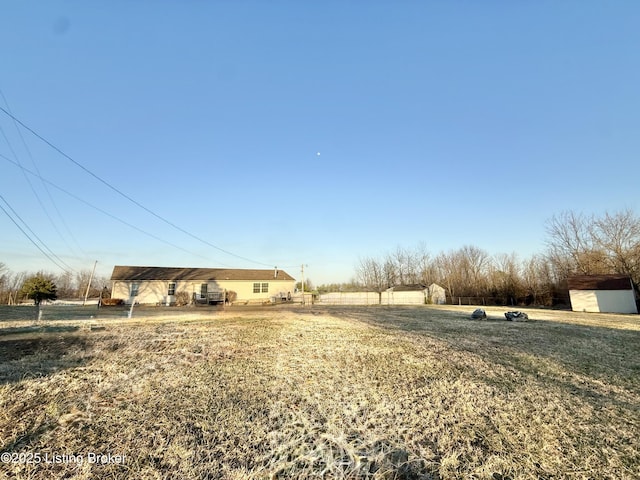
column 516, row 316
column 108, row 302
column 479, row 314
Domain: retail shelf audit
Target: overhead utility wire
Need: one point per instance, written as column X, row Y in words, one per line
column 104, row 212
column 31, row 239
column 33, row 190
column 55, row 206
column 119, row 192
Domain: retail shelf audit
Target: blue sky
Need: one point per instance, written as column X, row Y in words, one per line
column 311, row 132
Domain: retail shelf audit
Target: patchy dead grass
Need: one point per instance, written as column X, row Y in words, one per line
column 378, row 393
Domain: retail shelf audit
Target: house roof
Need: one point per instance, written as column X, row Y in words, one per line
column 130, row 273
column 599, row 282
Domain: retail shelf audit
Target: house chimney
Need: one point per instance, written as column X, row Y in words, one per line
column 275, row 272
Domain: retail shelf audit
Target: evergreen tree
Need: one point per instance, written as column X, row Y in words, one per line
column 39, row 288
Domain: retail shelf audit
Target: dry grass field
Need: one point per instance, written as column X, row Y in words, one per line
column 351, row 393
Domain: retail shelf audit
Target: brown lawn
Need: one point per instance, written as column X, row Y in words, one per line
column 380, row 393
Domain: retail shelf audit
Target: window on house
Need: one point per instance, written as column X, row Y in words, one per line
column 203, row 290
column 265, row 288
column 172, row 288
column 256, row 288
column 134, row 289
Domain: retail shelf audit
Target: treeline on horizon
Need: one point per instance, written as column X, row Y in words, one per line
column 576, row 244
column 69, row 285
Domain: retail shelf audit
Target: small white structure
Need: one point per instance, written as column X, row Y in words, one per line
column 436, row 294
column 404, row 295
column 602, row 293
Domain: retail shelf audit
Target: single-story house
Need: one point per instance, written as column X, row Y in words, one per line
column 602, row 293
column 161, row 285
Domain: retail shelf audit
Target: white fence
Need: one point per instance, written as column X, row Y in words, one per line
column 404, row 298
column 372, row 298
column 349, row 298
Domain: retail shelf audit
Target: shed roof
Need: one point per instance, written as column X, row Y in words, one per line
column 130, row 273
column 414, row 287
column 599, row 282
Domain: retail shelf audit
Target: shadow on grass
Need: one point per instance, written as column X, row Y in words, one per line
column 31, row 329
column 37, row 354
column 571, row 356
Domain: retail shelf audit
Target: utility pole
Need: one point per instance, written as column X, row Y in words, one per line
column 89, row 284
column 302, row 266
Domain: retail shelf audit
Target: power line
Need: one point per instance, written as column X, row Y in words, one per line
column 119, row 192
column 33, row 190
column 55, row 206
column 48, row 255
column 104, row 212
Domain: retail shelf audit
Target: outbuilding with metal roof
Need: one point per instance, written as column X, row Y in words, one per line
column 602, row 293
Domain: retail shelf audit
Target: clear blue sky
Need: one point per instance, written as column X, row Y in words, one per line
column 438, row 122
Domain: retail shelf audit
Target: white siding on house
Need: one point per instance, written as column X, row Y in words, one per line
column 157, row 291
column 147, row 291
column 244, row 289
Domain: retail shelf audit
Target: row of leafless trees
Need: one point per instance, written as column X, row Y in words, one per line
column 576, row 244
column 69, row 285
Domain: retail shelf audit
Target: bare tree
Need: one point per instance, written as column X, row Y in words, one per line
column 538, row 280
column 570, row 245
column 389, row 273
column 14, row 284
column 405, row 266
column 618, row 237
column 371, row 274
column 82, row 279
column 591, row 245
column 427, row 270
column 66, row 285
column 449, row 272
column 474, row 263
column 505, row 278
column 4, row 283
column 103, row 283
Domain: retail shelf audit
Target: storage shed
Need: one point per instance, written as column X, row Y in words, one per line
column 436, row 294
column 602, row 293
